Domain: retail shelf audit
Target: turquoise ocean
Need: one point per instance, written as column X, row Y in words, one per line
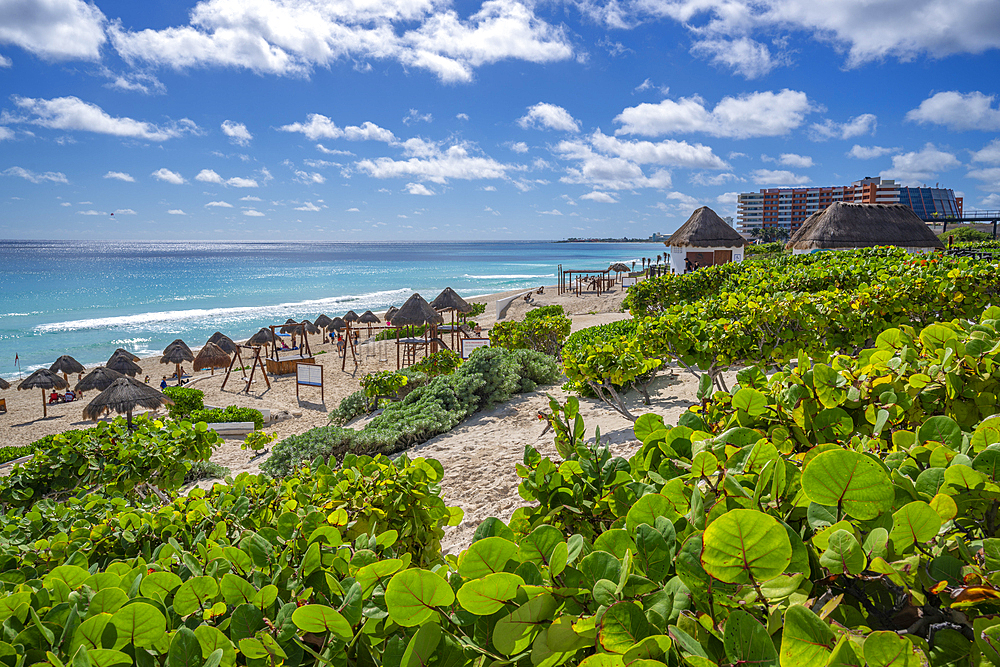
column 86, row 298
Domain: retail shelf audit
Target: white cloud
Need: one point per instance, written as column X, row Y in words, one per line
column 91, row 212
column 237, row 132
column 437, row 166
column 293, row 37
column 218, row 204
column 669, row 152
column 745, row 56
column 209, row 176
column 168, row 176
column 777, row 177
column 989, row 154
column 760, row 114
column 28, row 175
column 5, row 61
column 176, row 211
column 790, row 160
column 332, row 151
column 6, row 133
column 65, row 203
column 519, row 147
column 307, row 178
column 120, row 176
column 869, row 152
column 600, row 197
column 462, row 116
column 918, row 167
column 554, row 211
column 253, row 213
column 418, row 189
column 991, row 201
column 549, row 116
column 124, row 211
column 318, row 126
column 728, row 198
column 608, row 173
column 715, row 180
column 134, row 82
column 958, row 111
column 320, row 164
column 416, row 117
column 72, row 113
column 308, row 206
column 54, row 29
column 250, row 198
column 353, row 210
column 240, row 182
column 866, row 123
column 989, row 178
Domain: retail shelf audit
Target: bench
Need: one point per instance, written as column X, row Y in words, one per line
column 231, row 429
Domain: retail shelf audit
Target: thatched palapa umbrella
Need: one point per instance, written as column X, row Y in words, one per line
column 449, row 300
column 369, row 318
column 100, row 379
column 414, row 312
column 350, row 316
column 121, row 363
column 337, row 324
column 262, row 337
column 66, row 365
column 223, row 341
column 4, row 384
column 389, row 314
column 43, row 379
column 123, row 352
column 124, row 396
column 177, row 353
column 211, row 356
column 322, row 321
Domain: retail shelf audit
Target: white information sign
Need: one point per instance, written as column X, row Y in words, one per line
column 628, row 282
column 470, row 344
column 310, row 375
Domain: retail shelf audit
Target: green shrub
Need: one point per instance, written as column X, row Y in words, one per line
column 543, row 329
column 227, row 415
column 477, row 309
column 763, row 249
column 440, row 363
column 415, row 331
column 205, row 470
column 186, row 400
column 12, row 452
column 544, row 311
column 964, row 234
column 350, row 407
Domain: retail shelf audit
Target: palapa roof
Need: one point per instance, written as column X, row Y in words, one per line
column 291, row 326
column 389, row 313
column 368, row 317
column 350, row 316
column 66, row 364
column 619, row 267
column 842, row 225
column 100, row 378
column 225, row 343
column 323, row 321
column 126, row 353
column 705, row 229
column 261, row 337
column 337, row 323
column 176, row 355
column 4, row 384
column 43, row 378
column 310, row 327
column 211, row 356
column 449, row 299
column 124, row 396
column 416, row 311
column 122, row 364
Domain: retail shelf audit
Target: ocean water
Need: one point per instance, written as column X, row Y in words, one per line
column 86, row 298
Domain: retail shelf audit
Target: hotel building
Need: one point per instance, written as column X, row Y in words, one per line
column 789, row 207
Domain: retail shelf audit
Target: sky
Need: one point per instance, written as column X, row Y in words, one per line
column 506, row 119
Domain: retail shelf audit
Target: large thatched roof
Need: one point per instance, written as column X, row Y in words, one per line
column 43, row 378
column 416, row 311
column 449, row 299
column 261, row 337
column 336, row 324
column 121, row 352
column 368, row 317
column 225, row 343
column 211, row 356
column 66, row 365
column 121, row 363
column 179, row 344
column 350, row 316
column 322, row 321
column 100, row 378
column 291, row 327
column 843, row 225
column 124, row 396
column 310, row 327
column 176, row 355
column 390, row 313
column 705, row 229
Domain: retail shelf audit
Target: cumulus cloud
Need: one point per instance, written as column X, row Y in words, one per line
column 176, row 211
column 91, row 212
column 958, row 111
column 919, row 167
column 237, row 132
column 253, row 213
column 418, row 189
column 292, row 37
column 790, row 160
column 554, row 211
column 990, row 153
column 250, row 198
column 607, row 173
column 209, row 176
column 437, row 166
column 760, row 114
column 72, row 113
column 218, row 204
column 5, row 61
column 869, row 152
column 124, row 211
column 168, row 176
column 6, row 133
column 989, row 178
column 308, row 206
column 866, row 123
column 28, row 175
column 550, row 117
column 744, row 56
column 120, row 176
column 777, row 177
column 310, row 178
column 240, row 182
column 318, row 126
column 519, row 147
column 54, row 29
column 669, row 152
column 600, row 197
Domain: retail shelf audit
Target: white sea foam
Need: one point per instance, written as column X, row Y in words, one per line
column 510, row 276
column 151, row 321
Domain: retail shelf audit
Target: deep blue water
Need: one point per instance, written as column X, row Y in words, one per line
column 87, row 298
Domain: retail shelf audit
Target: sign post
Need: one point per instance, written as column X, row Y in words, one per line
column 469, row 345
column 310, row 375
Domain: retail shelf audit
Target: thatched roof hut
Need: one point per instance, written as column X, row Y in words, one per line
column 121, row 363
column 389, row 314
column 227, row 344
column 177, row 353
column 449, row 299
column 100, row 378
column 181, row 345
column 4, row 384
column 211, row 356
column 124, row 396
column 262, row 337
column 323, row 321
column 43, row 379
column 416, row 311
column 705, row 239
column 842, row 225
column 66, row 365
column 336, row 324
column 310, row 327
column 291, row 327
column 350, row 316
column 123, row 352
column 368, row 317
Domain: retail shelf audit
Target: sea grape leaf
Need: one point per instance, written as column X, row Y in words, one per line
column 412, row 595
column 194, row 594
column 318, row 618
column 139, row 624
column 185, row 651
column 488, row 595
column 849, row 480
column 422, row 646
column 806, row 639
column 747, row 642
column 887, row 649
column 744, row 544
column 843, row 554
column 646, row 509
column 514, row 632
column 914, row 522
column 622, row 626
column 942, row 429
column 750, row 401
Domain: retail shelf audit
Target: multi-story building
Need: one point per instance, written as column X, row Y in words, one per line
column 789, row 207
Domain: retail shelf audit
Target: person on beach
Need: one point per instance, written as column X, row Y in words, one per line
column 53, row 397
column 340, row 343
column 147, row 379
column 688, row 267
column 163, row 383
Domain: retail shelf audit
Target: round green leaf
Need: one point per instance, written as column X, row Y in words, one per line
column 185, row 650
column 420, row 649
column 745, row 543
column 236, row 590
column 319, row 618
column 936, row 336
column 887, row 649
column 139, row 624
column 806, row 639
column 646, row 509
column 158, row 585
column 108, row 601
column 488, row 595
column 514, row 632
column 212, row 640
column 486, row 556
column 195, row 594
column 750, row 401
column 622, row 626
column 747, row 642
column 848, row 480
column 843, row 554
column 370, row 575
column 914, row 522
column 106, row 657
column 252, row 648
column 70, row 575
column 941, row 429
column 412, row 596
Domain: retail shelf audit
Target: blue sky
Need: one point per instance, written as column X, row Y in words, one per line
column 430, row 119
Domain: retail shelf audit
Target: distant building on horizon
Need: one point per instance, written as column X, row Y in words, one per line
column 789, row 207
